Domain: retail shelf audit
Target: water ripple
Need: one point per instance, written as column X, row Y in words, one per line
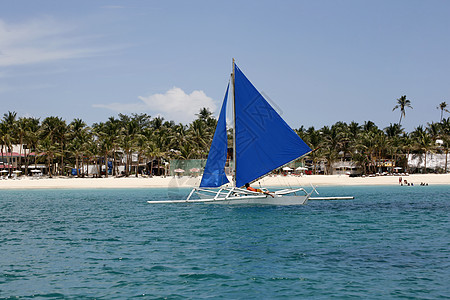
column 390, row 242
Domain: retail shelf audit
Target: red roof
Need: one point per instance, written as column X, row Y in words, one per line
column 15, row 154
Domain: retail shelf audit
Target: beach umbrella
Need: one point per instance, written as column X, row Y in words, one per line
column 287, row 169
column 17, row 171
column 194, row 170
column 178, row 171
column 3, row 171
column 398, row 168
column 301, row 168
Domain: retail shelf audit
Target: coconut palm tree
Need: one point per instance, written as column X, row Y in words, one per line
column 3, row 139
column 402, row 103
column 30, row 127
column 445, row 135
column 443, row 107
column 370, row 126
column 114, row 129
column 393, row 134
column 433, row 129
column 21, row 127
column 49, row 148
column 394, row 130
column 10, row 122
column 55, row 129
column 78, row 133
column 31, row 138
column 198, row 134
column 141, row 137
column 314, row 139
column 204, row 114
column 128, row 139
column 366, row 150
column 331, row 145
column 422, row 142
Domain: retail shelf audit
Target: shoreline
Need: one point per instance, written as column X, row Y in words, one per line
column 25, row 183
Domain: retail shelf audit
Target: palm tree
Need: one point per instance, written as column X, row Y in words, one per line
column 406, row 147
column 128, row 139
column 365, row 150
column 10, row 123
column 423, row 142
column 3, row 139
column 314, row 139
column 445, row 135
column 21, row 127
column 29, row 138
column 198, row 134
column 394, row 133
column 49, row 147
column 443, row 107
column 78, row 133
column 402, row 103
column 204, row 114
column 113, row 129
column 55, row 129
column 394, row 130
column 331, row 145
column 370, row 126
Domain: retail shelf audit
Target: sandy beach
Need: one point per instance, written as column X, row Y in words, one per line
column 174, row 182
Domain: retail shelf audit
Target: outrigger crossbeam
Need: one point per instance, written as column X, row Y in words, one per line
column 235, row 195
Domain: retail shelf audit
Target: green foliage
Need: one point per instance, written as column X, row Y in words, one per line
column 155, row 140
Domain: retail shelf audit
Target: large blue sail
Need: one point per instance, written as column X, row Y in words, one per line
column 214, row 174
column 264, row 141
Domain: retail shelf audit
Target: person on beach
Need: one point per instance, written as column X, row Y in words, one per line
column 248, row 187
column 400, row 180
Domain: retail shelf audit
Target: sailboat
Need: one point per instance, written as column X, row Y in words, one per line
column 262, row 142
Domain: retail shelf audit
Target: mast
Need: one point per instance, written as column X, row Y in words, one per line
column 234, row 124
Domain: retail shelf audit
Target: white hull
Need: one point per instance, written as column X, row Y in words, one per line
column 282, row 200
column 237, row 196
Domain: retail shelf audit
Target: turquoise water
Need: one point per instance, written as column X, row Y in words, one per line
column 388, row 243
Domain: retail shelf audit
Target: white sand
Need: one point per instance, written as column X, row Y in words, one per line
column 160, row 182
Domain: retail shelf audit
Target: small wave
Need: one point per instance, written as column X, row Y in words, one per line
column 161, row 268
column 204, row 276
column 49, row 295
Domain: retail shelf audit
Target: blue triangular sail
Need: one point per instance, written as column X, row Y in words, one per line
column 264, row 141
column 214, row 174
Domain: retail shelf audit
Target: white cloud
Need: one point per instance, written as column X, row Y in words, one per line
column 40, row 40
column 174, row 105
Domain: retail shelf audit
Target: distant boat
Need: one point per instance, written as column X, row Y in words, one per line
column 262, row 142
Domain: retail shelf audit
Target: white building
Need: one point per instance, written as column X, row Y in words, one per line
column 434, row 161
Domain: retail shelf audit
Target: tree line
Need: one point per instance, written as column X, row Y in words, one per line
column 366, row 144
column 61, row 145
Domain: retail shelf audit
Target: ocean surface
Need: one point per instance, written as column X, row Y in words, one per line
column 387, row 243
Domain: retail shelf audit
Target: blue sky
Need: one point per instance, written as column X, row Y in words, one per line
column 319, row 61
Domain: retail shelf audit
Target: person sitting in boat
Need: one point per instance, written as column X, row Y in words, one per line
column 248, row 187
